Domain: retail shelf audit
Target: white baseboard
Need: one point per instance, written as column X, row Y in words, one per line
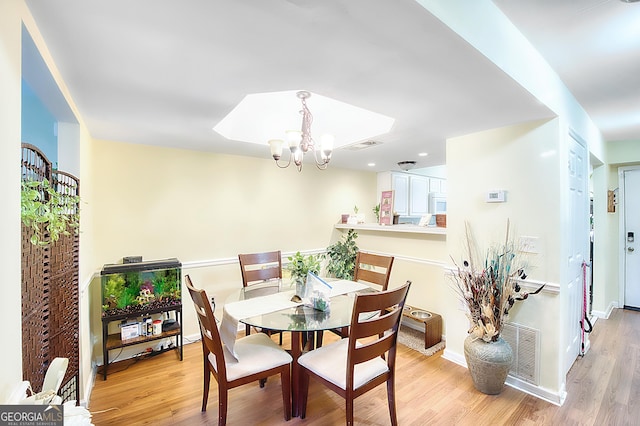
column 533, row 390
column 537, row 391
column 607, row 313
column 88, row 386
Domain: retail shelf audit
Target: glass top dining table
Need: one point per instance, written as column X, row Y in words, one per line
column 302, row 321
column 296, row 318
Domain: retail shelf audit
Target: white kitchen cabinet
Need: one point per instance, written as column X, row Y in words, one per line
column 418, row 195
column 437, row 185
column 411, row 192
column 434, row 184
column 443, row 186
column 400, row 186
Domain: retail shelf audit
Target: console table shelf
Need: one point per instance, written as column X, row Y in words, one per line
column 113, row 341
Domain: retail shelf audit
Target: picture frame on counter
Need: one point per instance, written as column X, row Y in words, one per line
column 386, row 208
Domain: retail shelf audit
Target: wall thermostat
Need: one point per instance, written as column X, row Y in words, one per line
column 496, row 196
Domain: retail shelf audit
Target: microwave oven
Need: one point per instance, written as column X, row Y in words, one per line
column 437, row 203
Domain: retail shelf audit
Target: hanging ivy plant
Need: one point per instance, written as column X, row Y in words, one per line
column 43, row 209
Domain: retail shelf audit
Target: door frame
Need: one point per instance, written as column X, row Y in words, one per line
column 622, row 246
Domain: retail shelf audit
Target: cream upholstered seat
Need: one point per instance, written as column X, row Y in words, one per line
column 330, row 362
column 238, row 361
column 255, row 353
column 353, row 366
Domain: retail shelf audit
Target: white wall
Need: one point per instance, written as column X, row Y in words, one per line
column 607, row 256
column 11, row 313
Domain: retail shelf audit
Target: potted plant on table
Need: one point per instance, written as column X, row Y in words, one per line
column 489, row 288
column 299, row 266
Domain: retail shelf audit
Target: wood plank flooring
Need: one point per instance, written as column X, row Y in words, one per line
column 603, row 389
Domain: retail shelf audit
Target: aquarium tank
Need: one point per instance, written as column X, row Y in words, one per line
column 138, row 286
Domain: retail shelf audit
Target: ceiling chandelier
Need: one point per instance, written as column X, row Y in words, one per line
column 301, row 141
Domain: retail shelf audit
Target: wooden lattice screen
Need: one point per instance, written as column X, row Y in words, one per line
column 50, row 288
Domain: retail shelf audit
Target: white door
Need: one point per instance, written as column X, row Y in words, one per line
column 578, row 246
column 631, row 234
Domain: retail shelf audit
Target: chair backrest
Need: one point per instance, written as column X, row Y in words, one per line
column 211, row 342
column 373, row 268
column 377, row 336
column 257, row 267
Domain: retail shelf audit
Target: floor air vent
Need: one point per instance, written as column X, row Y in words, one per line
column 525, row 343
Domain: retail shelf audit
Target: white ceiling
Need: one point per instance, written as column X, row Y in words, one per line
column 165, row 72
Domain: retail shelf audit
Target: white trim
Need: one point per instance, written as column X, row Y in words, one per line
column 84, row 287
column 88, row 386
column 194, row 264
column 454, row 357
column 537, row 391
column 607, row 313
column 528, row 284
column 407, row 229
column 410, row 259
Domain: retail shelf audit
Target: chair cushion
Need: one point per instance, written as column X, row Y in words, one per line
column 256, row 353
column 330, row 363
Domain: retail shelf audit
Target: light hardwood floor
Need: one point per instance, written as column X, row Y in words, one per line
column 603, row 389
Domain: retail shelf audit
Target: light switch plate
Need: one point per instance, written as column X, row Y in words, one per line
column 529, row 244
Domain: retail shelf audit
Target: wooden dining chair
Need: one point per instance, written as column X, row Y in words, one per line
column 258, row 357
column 375, row 270
column 257, row 268
column 351, row 367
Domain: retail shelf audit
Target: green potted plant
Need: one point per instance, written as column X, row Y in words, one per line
column 45, row 209
column 299, row 266
column 376, row 211
column 342, row 256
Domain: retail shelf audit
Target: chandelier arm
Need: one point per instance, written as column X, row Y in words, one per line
column 286, row 165
column 323, row 163
column 322, row 166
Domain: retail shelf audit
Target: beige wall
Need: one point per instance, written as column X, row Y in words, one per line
column 525, row 161
column 205, row 208
column 200, row 207
column 161, row 202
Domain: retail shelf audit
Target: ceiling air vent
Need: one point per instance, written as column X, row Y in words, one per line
column 362, row 145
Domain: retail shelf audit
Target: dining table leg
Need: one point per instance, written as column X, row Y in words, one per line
column 296, row 350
